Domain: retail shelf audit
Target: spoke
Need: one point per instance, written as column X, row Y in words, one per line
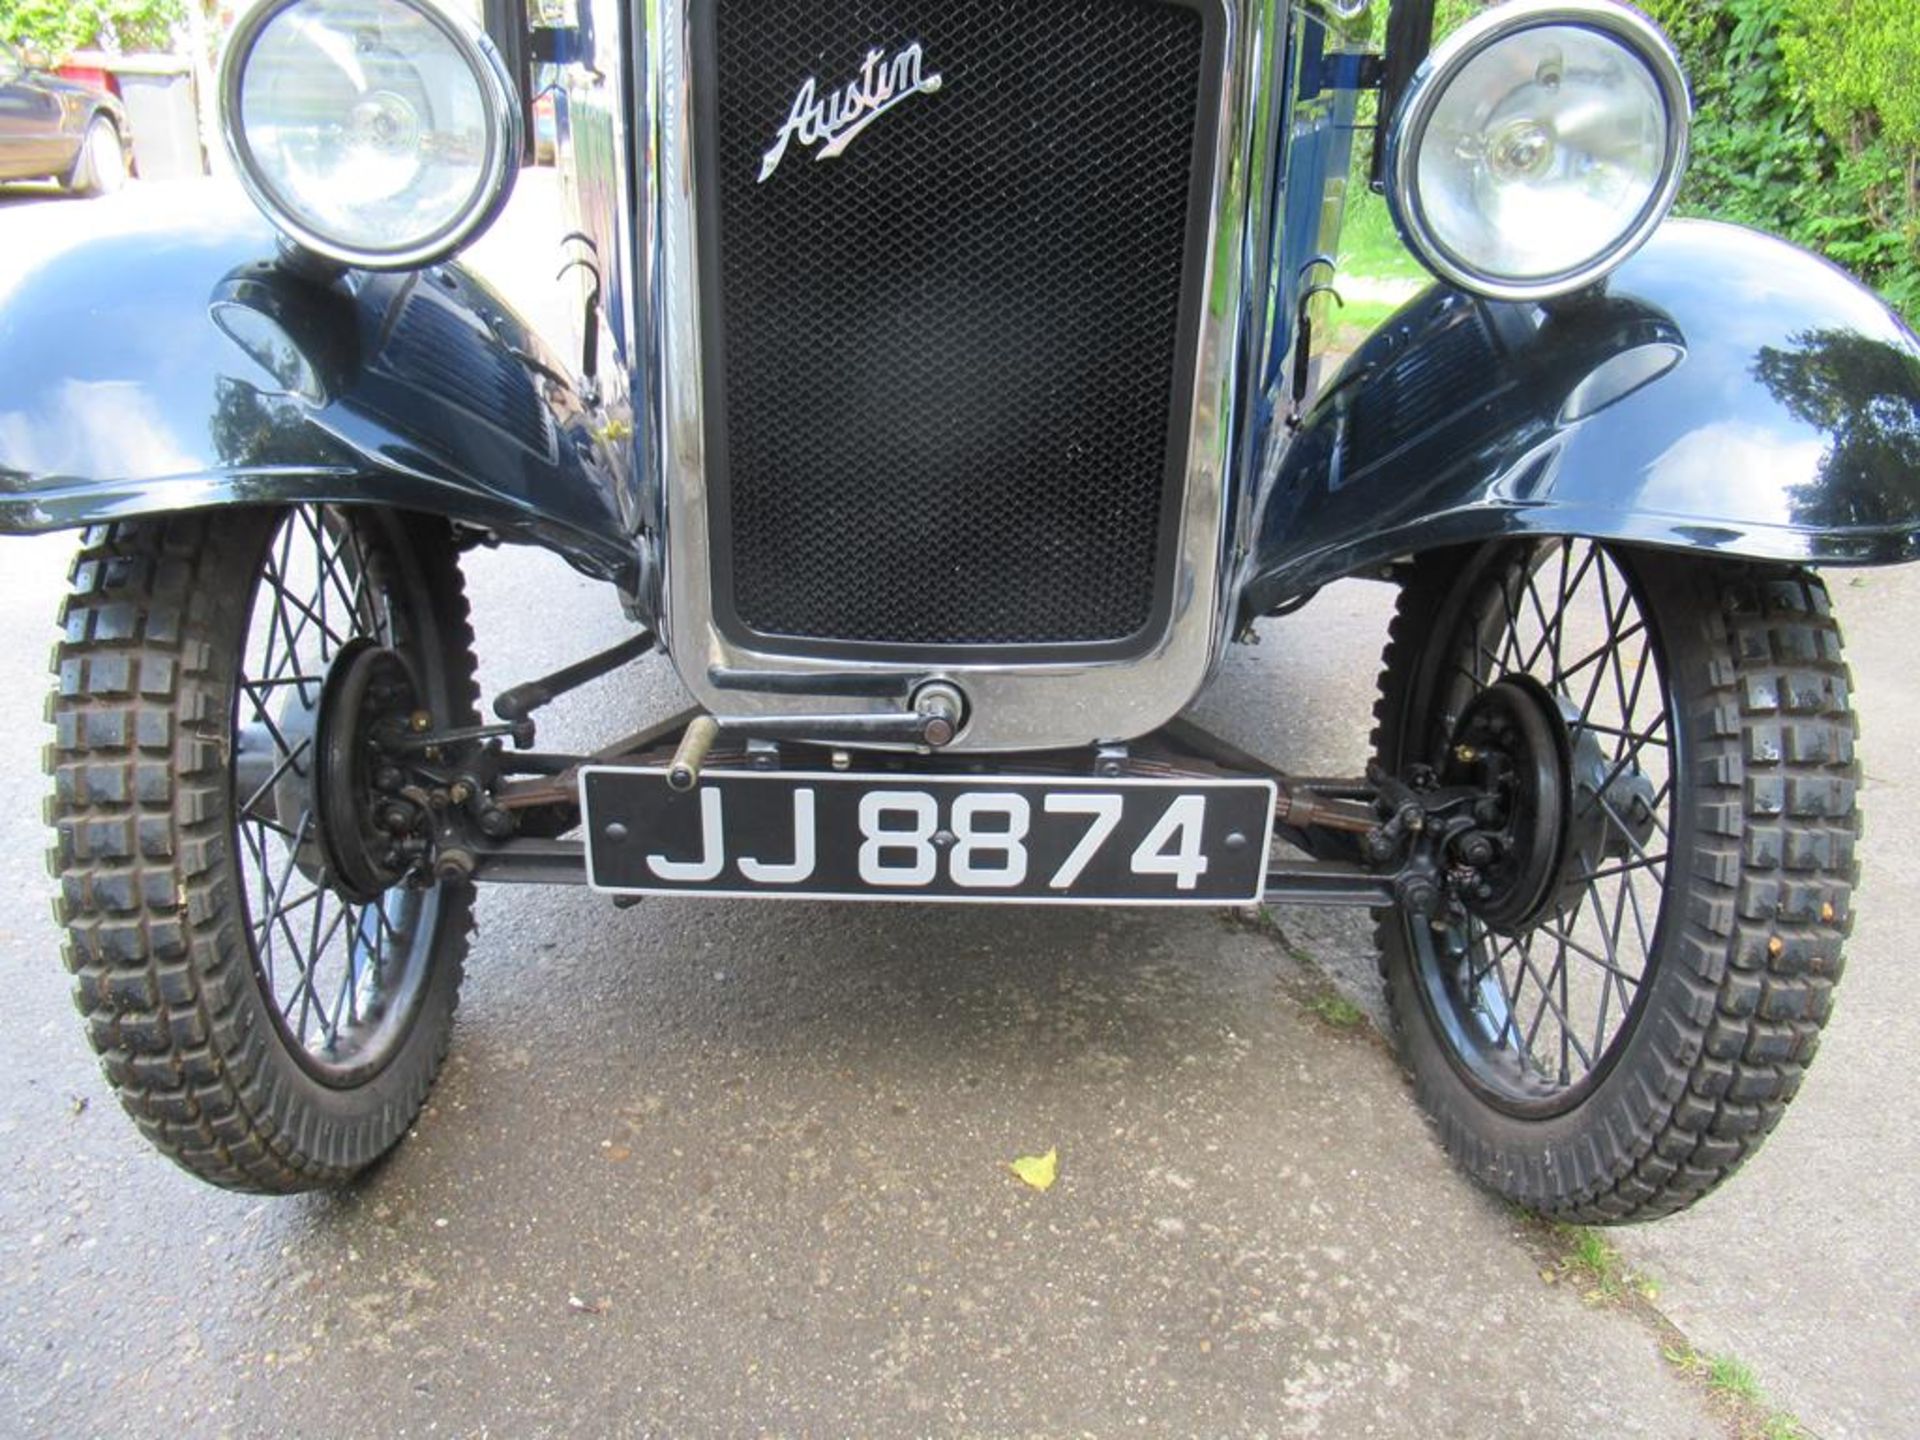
column 269, row 824
column 276, row 908
column 1566, row 1032
column 1512, row 645
column 1526, row 960
column 328, row 558
column 1598, row 655
column 1609, row 936
column 379, row 957
column 1634, row 737
column 1477, row 977
column 1494, row 666
column 320, row 578
column 1569, row 587
column 272, row 780
column 388, row 931
column 1561, row 937
column 1553, row 631
column 1607, row 986
column 346, row 998
column 367, row 614
column 299, row 902
column 275, row 569
column 256, row 843
column 1546, row 997
column 284, row 682
column 309, row 616
column 1617, row 979
column 350, row 596
column 1620, row 982
column 1544, row 644
column 1472, row 679
column 1563, row 594
column 309, row 997
column 1610, row 649
column 1626, row 867
column 280, row 741
column 329, row 1024
column 1630, row 696
column 1657, row 807
column 1606, row 807
column 1639, row 919
column 1519, row 956
column 276, row 575
column 1620, row 767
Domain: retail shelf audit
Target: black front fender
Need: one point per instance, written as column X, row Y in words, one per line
column 1727, row 393
column 171, row 362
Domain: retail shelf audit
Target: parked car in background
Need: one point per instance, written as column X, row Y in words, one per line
column 52, row 128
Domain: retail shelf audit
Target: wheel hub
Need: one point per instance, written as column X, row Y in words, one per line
column 1512, row 743
column 360, row 815
column 1560, row 809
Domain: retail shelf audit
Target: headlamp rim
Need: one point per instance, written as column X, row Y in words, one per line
column 1637, row 34
column 505, row 140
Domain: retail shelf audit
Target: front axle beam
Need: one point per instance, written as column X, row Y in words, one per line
column 1324, row 819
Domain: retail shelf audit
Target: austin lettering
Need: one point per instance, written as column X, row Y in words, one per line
column 834, row 122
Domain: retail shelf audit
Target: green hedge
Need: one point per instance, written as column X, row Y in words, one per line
column 1808, row 124
column 59, row 27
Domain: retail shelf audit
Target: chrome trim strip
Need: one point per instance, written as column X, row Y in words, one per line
column 1025, row 707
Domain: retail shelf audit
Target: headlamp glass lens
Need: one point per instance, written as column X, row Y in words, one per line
column 366, row 121
column 1543, row 153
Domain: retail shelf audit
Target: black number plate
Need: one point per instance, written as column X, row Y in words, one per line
column 956, row 838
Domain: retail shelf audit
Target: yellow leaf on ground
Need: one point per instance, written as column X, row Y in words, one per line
column 1039, row 1171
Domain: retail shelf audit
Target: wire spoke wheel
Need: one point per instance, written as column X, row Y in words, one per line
column 1537, row 1010
column 1609, row 1014
column 342, row 976
column 269, row 975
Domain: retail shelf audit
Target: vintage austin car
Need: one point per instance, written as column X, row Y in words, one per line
column 946, row 398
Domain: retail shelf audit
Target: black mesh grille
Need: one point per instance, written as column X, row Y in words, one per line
column 948, row 377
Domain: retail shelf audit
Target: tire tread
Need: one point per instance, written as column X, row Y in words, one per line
column 1767, row 908
column 162, row 970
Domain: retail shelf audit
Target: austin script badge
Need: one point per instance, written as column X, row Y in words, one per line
column 835, row 122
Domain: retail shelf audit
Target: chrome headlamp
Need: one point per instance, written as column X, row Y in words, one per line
column 1539, row 147
column 382, row 134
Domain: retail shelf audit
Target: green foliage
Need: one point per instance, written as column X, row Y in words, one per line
column 1807, row 125
column 1336, row 1010
column 1856, row 59
column 1450, row 15
column 59, row 27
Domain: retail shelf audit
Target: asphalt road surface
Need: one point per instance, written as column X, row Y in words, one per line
column 702, row 1169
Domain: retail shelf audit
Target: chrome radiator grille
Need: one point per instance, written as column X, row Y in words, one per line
column 949, row 370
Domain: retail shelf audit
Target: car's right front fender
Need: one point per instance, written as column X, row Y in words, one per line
column 156, row 362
